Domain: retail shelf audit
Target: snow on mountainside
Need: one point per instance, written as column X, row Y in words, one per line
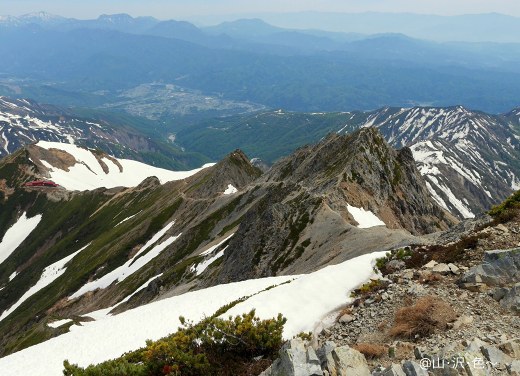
column 24, row 122
column 76, row 168
column 470, row 159
column 16, row 234
column 49, row 275
column 301, row 301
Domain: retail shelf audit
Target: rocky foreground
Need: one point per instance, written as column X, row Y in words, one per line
column 452, row 309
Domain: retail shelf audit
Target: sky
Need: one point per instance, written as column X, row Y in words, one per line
column 192, row 9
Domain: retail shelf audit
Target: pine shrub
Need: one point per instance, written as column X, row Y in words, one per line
column 214, row 346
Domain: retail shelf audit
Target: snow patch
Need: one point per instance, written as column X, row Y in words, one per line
column 202, row 266
column 57, row 324
column 49, row 275
column 212, row 248
column 199, row 269
column 16, row 234
column 365, row 218
column 302, row 302
column 127, row 219
column 131, row 266
column 230, row 190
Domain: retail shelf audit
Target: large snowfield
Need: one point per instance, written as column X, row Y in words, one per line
column 307, row 302
column 88, row 174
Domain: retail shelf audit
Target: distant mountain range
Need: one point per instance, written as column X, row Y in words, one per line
column 490, row 27
column 250, row 61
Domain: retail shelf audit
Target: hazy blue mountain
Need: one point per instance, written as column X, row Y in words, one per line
column 119, row 22
column 286, row 69
column 244, row 28
column 470, row 28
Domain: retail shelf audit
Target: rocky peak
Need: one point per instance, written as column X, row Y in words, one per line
column 232, row 173
column 362, row 170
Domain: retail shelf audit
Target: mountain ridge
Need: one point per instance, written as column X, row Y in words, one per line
column 192, row 231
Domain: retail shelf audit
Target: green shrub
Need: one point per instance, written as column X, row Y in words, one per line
column 211, row 347
column 369, row 288
column 507, row 209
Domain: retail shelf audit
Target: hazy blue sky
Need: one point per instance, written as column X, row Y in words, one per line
column 184, row 9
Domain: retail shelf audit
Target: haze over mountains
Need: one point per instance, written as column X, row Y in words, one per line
column 250, row 61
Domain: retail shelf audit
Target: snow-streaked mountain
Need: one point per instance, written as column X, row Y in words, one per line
column 470, row 159
column 299, row 298
column 24, row 122
column 120, row 22
column 76, row 168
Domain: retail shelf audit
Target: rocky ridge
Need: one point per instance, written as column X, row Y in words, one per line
column 473, row 313
column 305, row 198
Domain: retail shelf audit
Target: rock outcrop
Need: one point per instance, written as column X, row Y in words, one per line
column 498, row 273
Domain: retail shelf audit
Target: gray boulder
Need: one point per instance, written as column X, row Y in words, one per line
column 346, row 319
column 296, row 359
column 470, row 357
column 414, row 369
column 442, row 269
column 349, row 362
column 342, row 361
column 497, row 358
column 393, row 370
column 511, row 299
column 325, row 353
column 395, row 266
column 500, row 267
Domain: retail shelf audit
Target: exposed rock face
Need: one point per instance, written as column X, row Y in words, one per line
column 361, row 169
column 303, row 206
